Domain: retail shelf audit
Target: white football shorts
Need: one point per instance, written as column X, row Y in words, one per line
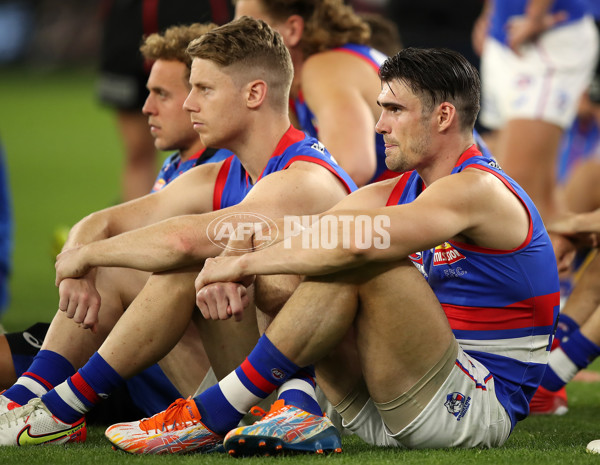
column 463, row 413
column 545, row 82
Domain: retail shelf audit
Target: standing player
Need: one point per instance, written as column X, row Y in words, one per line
column 124, row 72
column 534, row 69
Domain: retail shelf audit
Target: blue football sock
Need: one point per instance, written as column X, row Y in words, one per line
column 580, row 349
column 573, row 355
column 223, row 406
column 566, row 325
column 47, row 370
column 81, row 392
column 299, row 391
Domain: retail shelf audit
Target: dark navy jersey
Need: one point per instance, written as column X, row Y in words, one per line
column 501, row 304
column 233, row 182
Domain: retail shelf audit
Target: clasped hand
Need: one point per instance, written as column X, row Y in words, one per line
column 221, row 289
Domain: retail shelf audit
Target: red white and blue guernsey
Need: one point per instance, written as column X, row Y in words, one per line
column 233, row 182
column 501, row 304
column 309, row 124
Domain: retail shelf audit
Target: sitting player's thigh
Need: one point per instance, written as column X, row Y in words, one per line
column 464, row 412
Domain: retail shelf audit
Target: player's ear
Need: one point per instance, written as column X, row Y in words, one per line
column 446, row 115
column 256, row 93
column 291, row 30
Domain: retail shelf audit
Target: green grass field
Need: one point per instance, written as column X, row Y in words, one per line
column 63, row 155
column 64, row 160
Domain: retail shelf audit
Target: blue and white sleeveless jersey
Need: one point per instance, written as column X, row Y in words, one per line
column 502, row 305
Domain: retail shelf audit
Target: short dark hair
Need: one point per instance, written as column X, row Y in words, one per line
column 437, row 75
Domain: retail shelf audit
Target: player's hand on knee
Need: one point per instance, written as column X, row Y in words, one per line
column 80, row 301
column 221, row 301
column 69, row 264
column 222, row 269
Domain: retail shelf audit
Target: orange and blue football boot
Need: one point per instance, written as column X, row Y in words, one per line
column 284, row 429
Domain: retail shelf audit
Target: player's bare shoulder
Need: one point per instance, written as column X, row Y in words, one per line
column 313, row 180
column 334, row 71
column 498, row 217
column 337, row 63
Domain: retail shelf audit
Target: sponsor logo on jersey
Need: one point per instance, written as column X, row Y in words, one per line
column 523, row 81
column 158, row 185
column 495, row 164
column 457, row 404
column 416, row 257
column 445, row 254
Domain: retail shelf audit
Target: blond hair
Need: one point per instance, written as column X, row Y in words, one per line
column 173, row 42
column 252, row 50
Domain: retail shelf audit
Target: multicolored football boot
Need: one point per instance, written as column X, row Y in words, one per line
column 284, row 428
column 33, row 424
column 176, row 430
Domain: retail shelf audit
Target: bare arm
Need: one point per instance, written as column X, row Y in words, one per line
column 190, row 193
column 184, row 240
column 480, row 27
column 582, row 229
column 588, row 222
column 334, row 87
column 225, row 299
column 467, row 214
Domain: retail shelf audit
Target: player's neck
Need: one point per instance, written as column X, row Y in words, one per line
column 260, row 142
column 442, row 160
column 185, row 153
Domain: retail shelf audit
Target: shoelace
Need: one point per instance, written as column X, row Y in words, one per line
column 273, row 411
column 176, row 415
column 20, row 413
